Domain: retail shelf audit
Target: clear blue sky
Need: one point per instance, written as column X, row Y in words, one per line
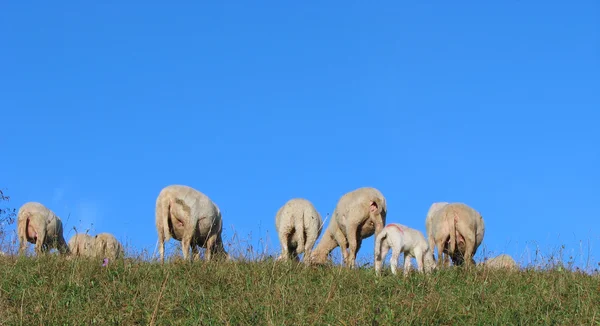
column 492, row 104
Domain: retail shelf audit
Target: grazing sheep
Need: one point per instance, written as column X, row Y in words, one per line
column 82, row 244
column 39, row 225
column 358, row 215
column 191, row 217
column 457, row 230
column 402, row 239
column 501, row 261
column 298, row 225
column 107, row 246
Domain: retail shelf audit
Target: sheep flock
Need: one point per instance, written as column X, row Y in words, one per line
column 187, row 215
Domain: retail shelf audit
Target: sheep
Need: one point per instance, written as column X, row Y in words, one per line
column 298, row 226
column 38, row 225
column 358, row 215
column 501, row 261
column 191, row 217
column 402, row 239
column 107, row 246
column 457, row 230
column 81, row 244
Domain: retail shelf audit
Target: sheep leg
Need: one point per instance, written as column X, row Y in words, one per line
column 440, row 249
column 431, row 243
column 385, row 247
column 39, row 243
column 186, row 241
column 420, row 256
column 195, row 251
column 210, row 246
column 163, row 219
column 283, row 239
column 307, row 252
column 311, row 239
column 327, row 244
column 351, row 231
column 343, row 243
column 308, row 245
column 22, row 244
column 161, row 238
column 161, row 247
column 407, row 263
column 468, row 256
column 394, row 260
column 185, row 247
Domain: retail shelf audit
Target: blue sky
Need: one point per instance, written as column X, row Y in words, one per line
column 254, row 103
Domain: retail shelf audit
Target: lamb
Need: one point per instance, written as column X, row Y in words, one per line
column 191, row 217
column 38, row 225
column 358, row 215
column 81, row 244
column 500, row 262
column 457, row 230
column 107, row 246
column 298, row 225
column 402, row 239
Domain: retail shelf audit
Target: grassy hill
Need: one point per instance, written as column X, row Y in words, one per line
column 53, row 290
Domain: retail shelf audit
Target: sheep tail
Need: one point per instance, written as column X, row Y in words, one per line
column 453, row 220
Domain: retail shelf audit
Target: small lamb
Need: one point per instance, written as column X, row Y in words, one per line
column 402, row 239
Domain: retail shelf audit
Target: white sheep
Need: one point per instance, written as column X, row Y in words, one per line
column 501, row 261
column 457, row 230
column 298, row 226
column 402, row 239
column 189, row 216
column 358, row 215
column 38, row 225
column 107, row 246
column 81, row 244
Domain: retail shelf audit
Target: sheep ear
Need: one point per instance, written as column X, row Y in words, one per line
column 373, row 207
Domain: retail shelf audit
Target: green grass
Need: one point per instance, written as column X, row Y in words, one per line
column 52, row 290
